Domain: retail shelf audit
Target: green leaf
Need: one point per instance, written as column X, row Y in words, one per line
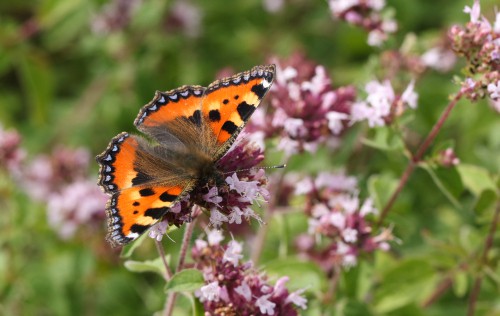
column 155, row 265
column 37, row 81
column 447, row 180
column 196, row 305
column 380, row 188
column 485, row 201
column 460, row 283
column 303, row 275
column 385, row 139
column 476, row 179
column 411, row 281
column 187, row 280
column 354, row 308
column 129, row 249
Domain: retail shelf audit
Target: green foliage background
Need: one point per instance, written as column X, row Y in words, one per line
column 64, row 84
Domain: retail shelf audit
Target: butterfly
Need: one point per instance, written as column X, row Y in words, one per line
column 189, row 129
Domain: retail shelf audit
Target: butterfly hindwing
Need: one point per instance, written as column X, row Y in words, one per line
column 116, row 163
column 132, row 211
column 229, row 102
column 142, row 185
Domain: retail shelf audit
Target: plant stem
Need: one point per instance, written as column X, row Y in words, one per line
column 168, row 272
column 443, row 286
column 418, row 156
column 487, row 246
column 169, row 304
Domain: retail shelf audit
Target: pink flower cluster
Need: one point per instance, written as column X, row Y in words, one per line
column 479, row 43
column 229, row 201
column 60, row 180
column 365, row 14
column 382, row 104
column 114, row 16
column 11, row 154
column 305, row 111
column 236, row 288
column 338, row 228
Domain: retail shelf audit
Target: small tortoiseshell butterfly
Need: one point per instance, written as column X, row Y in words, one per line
column 191, row 127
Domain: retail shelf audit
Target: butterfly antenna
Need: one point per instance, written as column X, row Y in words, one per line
column 257, row 168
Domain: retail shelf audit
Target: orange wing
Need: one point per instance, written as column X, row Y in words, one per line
column 229, row 102
column 139, row 199
column 167, row 106
column 132, row 211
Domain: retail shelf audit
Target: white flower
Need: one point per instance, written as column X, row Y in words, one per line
column 295, row 127
column 474, row 12
column 440, row 59
column 376, row 5
column 350, row 235
column 217, row 218
column 409, row 96
column 335, row 121
column 496, row 26
column 245, row 291
column 158, row 230
column 233, row 253
column 319, row 210
column 367, row 208
column 338, row 220
column 212, row 196
column 318, row 82
column 266, row 307
column 200, row 244
column 339, row 6
column 335, row 181
column 494, row 90
column 214, row 237
column 235, row 215
column 297, row 299
column 349, row 261
column 304, row 186
column 376, row 37
column 210, row 292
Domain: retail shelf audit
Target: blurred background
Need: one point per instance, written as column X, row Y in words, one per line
column 75, row 73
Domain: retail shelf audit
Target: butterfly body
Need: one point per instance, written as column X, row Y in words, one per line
column 189, row 129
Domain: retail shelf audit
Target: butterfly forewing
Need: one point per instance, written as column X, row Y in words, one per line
column 229, row 102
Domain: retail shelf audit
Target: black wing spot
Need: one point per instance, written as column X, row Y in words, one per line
column 214, row 115
column 166, row 197
column 141, row 178
column 259, row 90
column 245, row 110
column 136, row 212
column 229, row 127
column 196, row 118
column 226, row 101
column 156, row 212
column 236, row 97
column 136, row 203
column 146, row 192
column 139, row 229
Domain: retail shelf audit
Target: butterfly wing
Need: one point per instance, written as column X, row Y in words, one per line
column 142, row 184
column 228, row 103
column 171, row 105
column 194, row 126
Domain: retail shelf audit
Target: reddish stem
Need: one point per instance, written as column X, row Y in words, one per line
column 418, row 156
column 168, row 272
column 169, row 304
